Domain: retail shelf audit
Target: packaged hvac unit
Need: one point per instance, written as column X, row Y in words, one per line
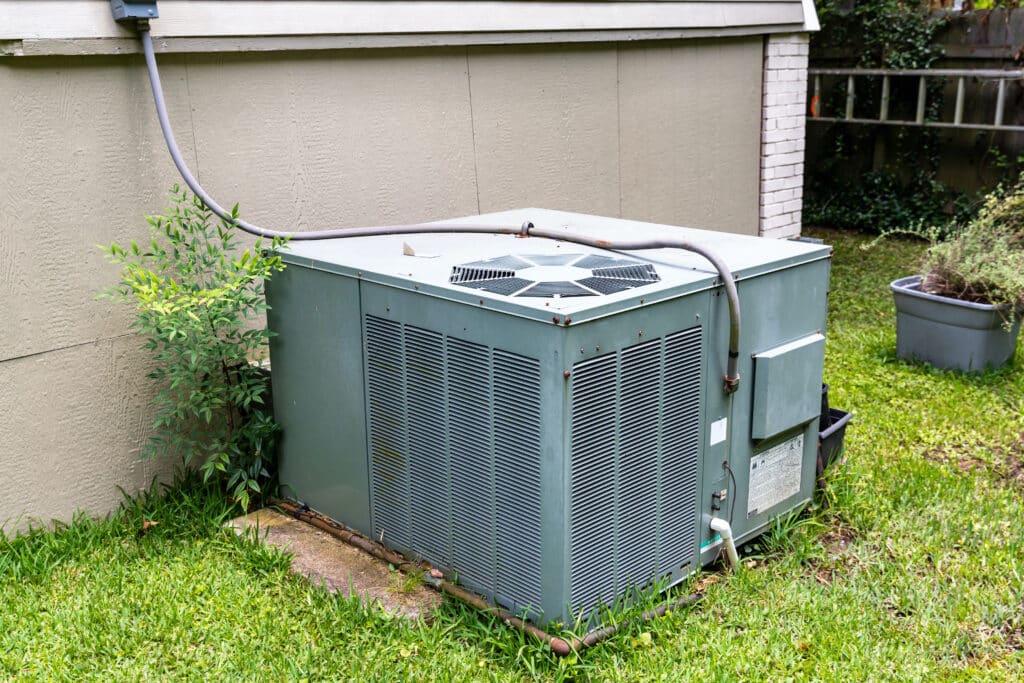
column 542, row 420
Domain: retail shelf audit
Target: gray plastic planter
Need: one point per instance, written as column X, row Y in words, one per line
column 949, row 333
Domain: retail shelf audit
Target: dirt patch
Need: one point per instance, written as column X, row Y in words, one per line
column 963, row 462
column 986, row 642
column 1013, row 462
column 705, row 582
column 837, row 539
column 1015, row 639
column 1007, row 460
column 836, row 559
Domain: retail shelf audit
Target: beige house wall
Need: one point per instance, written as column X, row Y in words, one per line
column 667, row 131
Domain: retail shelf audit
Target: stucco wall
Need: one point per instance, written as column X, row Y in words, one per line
column 664, row 131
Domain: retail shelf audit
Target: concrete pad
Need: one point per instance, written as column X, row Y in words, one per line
column 338, row 567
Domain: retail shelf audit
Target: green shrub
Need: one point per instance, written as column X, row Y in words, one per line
column 881, row 201
column 845, row 187
column 195, row 300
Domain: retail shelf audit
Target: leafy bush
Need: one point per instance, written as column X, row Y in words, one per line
column 880, row 201
column 195, row 299
column 897, row 34
column 843, row 188
column 984, row 260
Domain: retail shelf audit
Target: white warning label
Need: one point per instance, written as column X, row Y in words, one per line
column 775, row 475
column 719, row 430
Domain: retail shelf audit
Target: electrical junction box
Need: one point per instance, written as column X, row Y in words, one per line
column 546, row 422
column 129, row 10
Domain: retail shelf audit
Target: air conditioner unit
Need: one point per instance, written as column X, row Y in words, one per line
column 546, row 421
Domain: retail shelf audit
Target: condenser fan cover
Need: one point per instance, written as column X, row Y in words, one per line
column 554, row 275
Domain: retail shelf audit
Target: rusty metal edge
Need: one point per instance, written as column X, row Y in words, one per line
column 559, row 646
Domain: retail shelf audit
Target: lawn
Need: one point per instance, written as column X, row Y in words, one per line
column 910, row 566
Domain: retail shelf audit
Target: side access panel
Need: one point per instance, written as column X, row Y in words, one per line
column 317, row 369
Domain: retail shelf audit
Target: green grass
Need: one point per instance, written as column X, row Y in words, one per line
column 909, row 567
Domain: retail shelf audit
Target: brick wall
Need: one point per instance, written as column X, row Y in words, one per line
column 784, row 103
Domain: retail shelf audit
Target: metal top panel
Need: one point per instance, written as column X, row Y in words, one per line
column 383, row 260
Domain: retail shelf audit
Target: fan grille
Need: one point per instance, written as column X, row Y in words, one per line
column 583, row 275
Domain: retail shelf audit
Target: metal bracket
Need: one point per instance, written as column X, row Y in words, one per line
column 133, row 10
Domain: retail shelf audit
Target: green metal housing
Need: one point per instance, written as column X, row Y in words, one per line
column 554, row 454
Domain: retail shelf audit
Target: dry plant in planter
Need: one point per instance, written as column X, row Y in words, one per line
column 964, row 311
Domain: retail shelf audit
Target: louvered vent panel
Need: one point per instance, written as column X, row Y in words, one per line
column 506, row 285
column 461, row 274
column 389, row 450
column 638, row 462
column 592, row 504
column 428, row 443
column 470, row 421
column 641, row 272
column 455, row 449
column 680, row 449
column 517, row 437
column 607, row 285
column 633, row 474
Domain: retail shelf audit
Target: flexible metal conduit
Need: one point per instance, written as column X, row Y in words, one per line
column 732, row 377
column 527, row 230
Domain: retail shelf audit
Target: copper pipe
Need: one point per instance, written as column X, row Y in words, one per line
column 559, row 646
column 343, row 533
column 605, row 632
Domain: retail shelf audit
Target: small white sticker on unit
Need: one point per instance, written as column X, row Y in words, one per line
column 718, row 430
column 775, row 475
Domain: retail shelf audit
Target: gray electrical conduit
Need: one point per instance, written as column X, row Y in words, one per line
column 527, row 230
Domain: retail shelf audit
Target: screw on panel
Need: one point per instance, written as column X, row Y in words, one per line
column 640, row 333
column 567, row 321
column 554, row 319
column 566, row 374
